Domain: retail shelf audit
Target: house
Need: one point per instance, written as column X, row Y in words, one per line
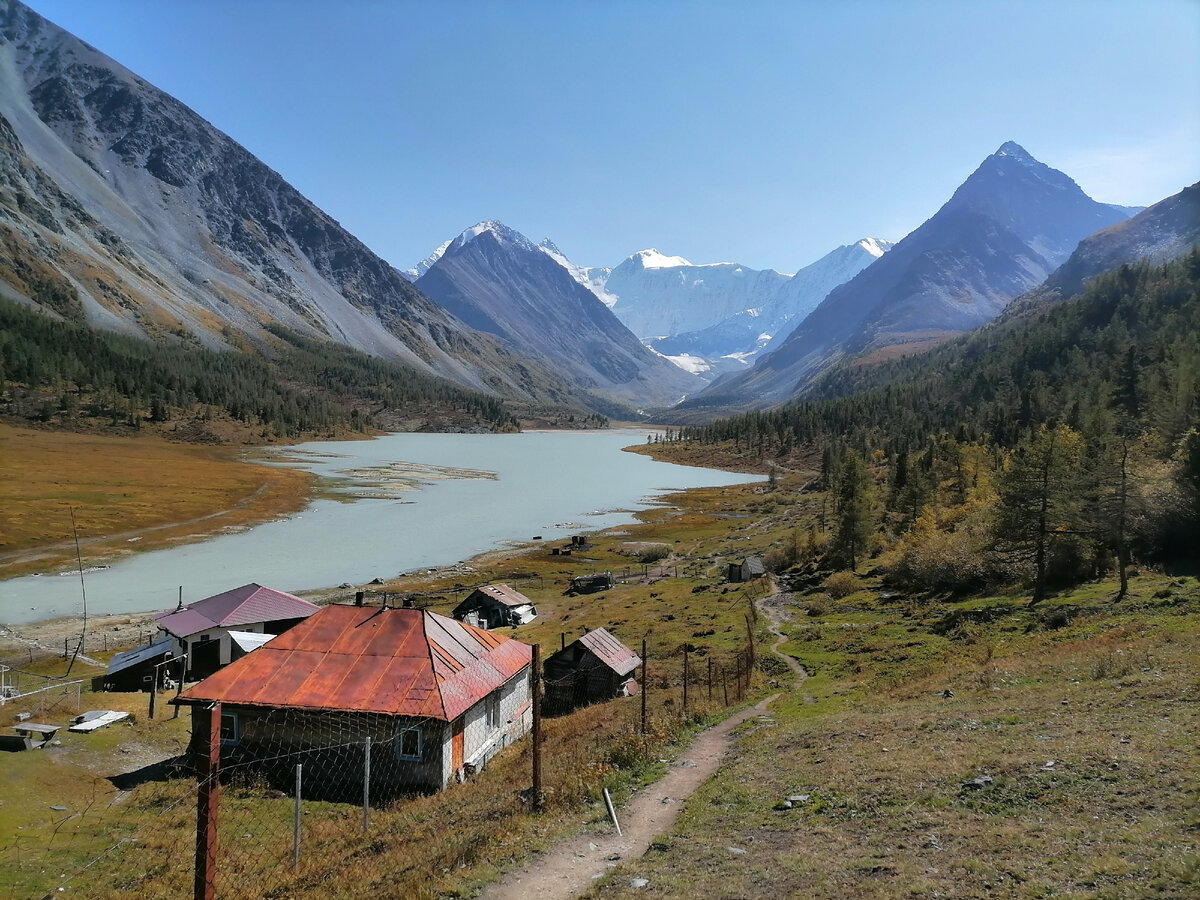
column 437, row 698
column 494, row 605
column 747, row 570
column 594, row 668
column 201, row 629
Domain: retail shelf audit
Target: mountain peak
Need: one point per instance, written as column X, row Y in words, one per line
column 653, row 259
column 1016, row 151
column 876, row 246
column 498, row 230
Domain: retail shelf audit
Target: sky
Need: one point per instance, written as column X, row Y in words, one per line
column 765, row 133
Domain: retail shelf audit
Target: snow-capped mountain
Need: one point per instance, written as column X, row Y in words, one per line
column 659, row 295
column 736, row 341
column 1005, row 229
column 591, row 277
column 424, row 265
column 498, row 281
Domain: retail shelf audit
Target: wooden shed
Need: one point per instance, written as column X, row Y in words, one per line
column 747, row 570
column 592, row 669
column 494, row 605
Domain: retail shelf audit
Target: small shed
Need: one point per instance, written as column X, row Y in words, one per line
column 494, row 605
column 134, row 670
column 592, row 669
column 587, row 584
column 747, row 570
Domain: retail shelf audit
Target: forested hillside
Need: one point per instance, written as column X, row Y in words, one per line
column 1049, row 448
column 62, row 372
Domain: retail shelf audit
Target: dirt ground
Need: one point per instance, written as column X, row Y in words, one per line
column 569, row 869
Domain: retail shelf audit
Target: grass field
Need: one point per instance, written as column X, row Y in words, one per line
column 126, row 492
column 1082, row 712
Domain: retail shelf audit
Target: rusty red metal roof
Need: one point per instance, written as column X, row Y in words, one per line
column 610, row 651
column 246, row 605
column 401, row 662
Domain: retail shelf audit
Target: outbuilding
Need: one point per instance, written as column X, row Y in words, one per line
column 495, row 605
column 747, row 570
column 594, row 668
column 437, row 698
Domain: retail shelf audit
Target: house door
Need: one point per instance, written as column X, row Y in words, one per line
column 205, row 659
column 456, row 745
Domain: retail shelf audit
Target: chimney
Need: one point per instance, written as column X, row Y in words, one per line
column 358, row 597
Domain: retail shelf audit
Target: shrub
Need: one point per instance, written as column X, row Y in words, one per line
column 653, row 553
column 842, row 584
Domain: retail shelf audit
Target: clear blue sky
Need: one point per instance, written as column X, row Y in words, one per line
column 767, row 133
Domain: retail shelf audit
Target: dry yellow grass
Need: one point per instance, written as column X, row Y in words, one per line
column 122, row 488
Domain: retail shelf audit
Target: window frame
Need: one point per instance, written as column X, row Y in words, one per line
column 401, row 731
column 491, row 707
column 236, row 720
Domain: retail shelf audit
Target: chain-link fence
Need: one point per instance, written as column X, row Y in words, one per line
column 277, row 803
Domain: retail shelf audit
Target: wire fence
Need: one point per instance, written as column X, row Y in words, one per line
column 284, row 803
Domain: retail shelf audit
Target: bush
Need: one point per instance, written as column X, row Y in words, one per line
column 842, row 584
column 653, row 553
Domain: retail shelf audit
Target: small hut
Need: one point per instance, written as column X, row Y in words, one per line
column 592, row 669
column 495, row 605
column 747, row 570
column 587, row 584
column 134, row 670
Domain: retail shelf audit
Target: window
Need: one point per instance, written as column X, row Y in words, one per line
column 231, row 728
column 492, row 704
column 408, row 743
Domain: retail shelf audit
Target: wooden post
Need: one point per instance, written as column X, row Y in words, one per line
column 179, row 684
column 153, row 690
column 685, row 678
column 66, row 648
column 750, row 645
column 710, row 679
column 367, row 784
column 535, row 673
column 724, row 686
column 296, row 822
column 739, row 675
column 645, row 685
column 206, row 737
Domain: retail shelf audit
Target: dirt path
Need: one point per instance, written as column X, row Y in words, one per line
column 568, row 869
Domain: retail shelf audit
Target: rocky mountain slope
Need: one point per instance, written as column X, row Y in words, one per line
column 129, row 211
column 498, row 281
column 1010, row 224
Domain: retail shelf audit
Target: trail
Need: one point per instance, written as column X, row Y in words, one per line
column 568, row 869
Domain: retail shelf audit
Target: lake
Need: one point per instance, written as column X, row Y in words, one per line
column 409, row 501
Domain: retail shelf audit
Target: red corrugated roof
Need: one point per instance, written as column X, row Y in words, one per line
column 246, row 605
column 610, row 651
column 401, row 662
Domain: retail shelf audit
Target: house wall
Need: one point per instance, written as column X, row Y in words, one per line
column 331, row 745
column 516, row 718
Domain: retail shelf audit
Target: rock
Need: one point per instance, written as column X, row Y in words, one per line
column 798, row 798
column 947, row 694
column 784, row 804
column 736, row 850
column 977, row 783
column 638, row 883
column 1049, row 764
column 59, row 808
column 376, row 581
column 344, row 585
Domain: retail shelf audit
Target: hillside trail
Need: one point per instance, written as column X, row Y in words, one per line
column 569, row 868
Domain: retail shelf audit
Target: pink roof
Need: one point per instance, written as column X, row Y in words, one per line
column 246, row 605
column 402, row 662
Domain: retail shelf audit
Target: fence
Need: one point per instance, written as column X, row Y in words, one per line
column 292, row 804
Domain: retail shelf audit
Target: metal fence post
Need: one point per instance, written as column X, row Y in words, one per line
column 206, row 728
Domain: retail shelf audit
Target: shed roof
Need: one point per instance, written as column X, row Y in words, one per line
column 246, row 605
column 754, row 565
column 122, row 661
column 502, row 593
column 249, row 640
column 608, row 650
column 401, row 662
